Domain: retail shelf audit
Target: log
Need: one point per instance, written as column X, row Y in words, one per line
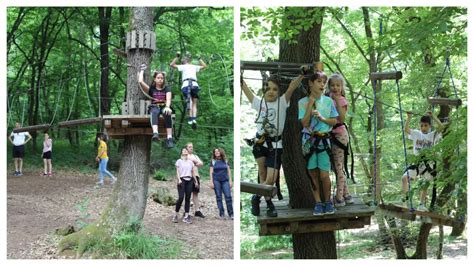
column 386, row 75
column 259, row 189
column 444, row 101
column 272, row 66
column 32, row 128
column 78, row 122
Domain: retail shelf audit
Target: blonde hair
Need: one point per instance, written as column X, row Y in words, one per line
column 333, row 77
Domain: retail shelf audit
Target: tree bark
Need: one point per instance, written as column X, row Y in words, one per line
column 126, row 207
column 311, row 245
column 105, row 14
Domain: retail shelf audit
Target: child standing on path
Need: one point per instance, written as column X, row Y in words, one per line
column 47, row 150
column 103, row 159
column 185, row 180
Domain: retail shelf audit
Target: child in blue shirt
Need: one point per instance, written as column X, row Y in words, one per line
column 318, row 114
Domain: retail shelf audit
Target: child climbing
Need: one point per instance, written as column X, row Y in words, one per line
column 221, row 181
column 270, row 122
column 185, row 180
column 340, row 139
column 190, row 87
column 318, row 114
column 161, row 103
column 422, row 139
column 46, row 155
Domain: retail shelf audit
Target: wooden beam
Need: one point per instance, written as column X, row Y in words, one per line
column 444, row 101
column 386, row 75
column 272, row 66
column 120, row 53
column 32, row 128
column 259, row 189
column 79, row 122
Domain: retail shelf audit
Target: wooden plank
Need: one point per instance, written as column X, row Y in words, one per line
column 444, row 101
column 386, row 75
column 131, row 118
column 133, row 42
column 32, row 128
column 259, row 189
column 312, row 226
column 130, row 131
column 107, row 123
column 286, row 215
column 125, row 108
column 125, row 124
column 79, row 122
column 272, row 66
column 426, row 217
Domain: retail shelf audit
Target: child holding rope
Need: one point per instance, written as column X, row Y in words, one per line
column 190, row 87
column 161, row 103
column 270, row 123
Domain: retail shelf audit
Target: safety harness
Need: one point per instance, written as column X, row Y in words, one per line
column 346, row 149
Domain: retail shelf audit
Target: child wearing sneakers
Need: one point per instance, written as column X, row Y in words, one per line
column 161, row 103
column 185, row 180
column 422, row 139
column 103, row 159
column 270, row 123
column 190, row 87
column 340, row 139
column 318, row 114
column 46, row 155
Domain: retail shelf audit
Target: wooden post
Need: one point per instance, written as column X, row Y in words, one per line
column 259, row 189
column 444, row 101
column 32, row 128
column 78, row 122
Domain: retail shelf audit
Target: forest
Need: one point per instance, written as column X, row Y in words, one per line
column 429, row 46
column 66, row 64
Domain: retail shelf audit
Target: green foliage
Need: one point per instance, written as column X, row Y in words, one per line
column 160, row 176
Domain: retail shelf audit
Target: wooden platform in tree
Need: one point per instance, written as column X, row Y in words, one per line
column 402, row 212
column 297, row 221
column 119, row 126
column 44, row 127
column 258, row 189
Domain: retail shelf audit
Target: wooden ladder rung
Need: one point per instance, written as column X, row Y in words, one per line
column 386, row 75
column 444, row 101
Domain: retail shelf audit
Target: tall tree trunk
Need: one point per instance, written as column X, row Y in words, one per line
column 311, row 245
column 126, row 206
column 105, row 14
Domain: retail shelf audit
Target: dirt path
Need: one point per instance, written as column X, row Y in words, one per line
column 37, row 205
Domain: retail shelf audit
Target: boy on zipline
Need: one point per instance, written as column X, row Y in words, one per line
column 190, row 87
column 422, row 139
column 270, row 123
column 161, row 103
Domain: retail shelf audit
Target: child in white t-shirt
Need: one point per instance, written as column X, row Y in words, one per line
column 270, row 123
column 422, row 139
column 190, row 87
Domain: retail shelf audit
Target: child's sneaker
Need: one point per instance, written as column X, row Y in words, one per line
column 187, row 220
column 175, row 219
column 328, row 208
column 113, row 181
column 271, row 211
column 255, row 201
column 194, row 124
column 422, row 208
column 199, row 214
column 45, row 174
column 50, row 174
column 231, row 217
column 155, row 137
column 169, row 143
column 339, row 203
column 19, row 173
column 348, row 199
column 318, row 209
